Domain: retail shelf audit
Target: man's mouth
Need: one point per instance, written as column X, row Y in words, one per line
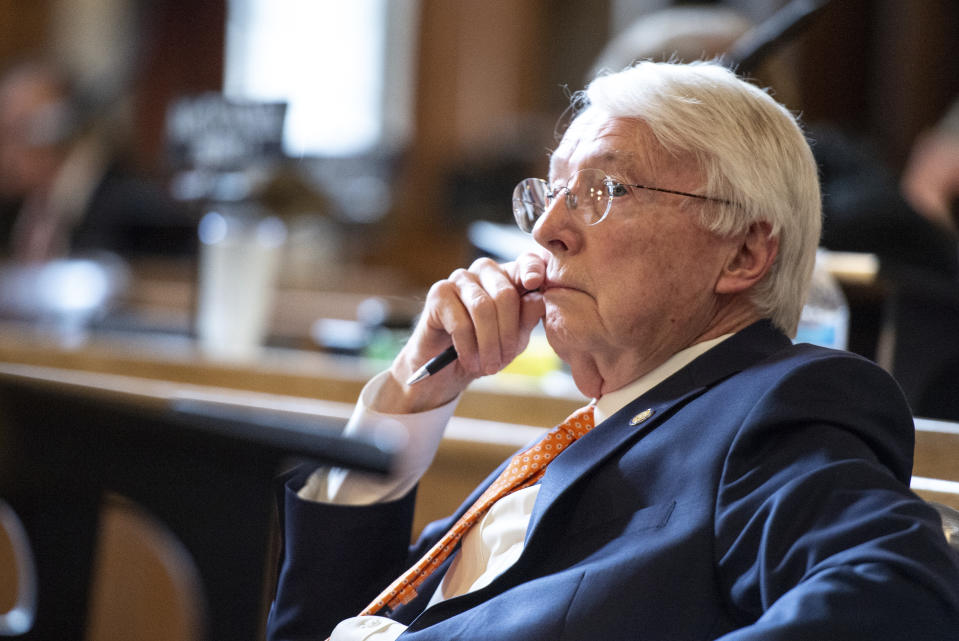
column 555, row 285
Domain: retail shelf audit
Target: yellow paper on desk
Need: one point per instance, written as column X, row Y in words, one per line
column 537, row 360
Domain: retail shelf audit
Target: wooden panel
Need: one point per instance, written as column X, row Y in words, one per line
column 145, row 585
column 946, row 498
column 912, row 82
column 23, row 27
column 479, row 68
column 8, row 577
column 936, row 466
column 937, row 450
column 183, row 44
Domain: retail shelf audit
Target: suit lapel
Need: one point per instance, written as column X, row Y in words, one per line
column 601, row 442
column 729, row 357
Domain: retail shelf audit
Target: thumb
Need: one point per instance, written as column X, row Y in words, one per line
column 530, row 271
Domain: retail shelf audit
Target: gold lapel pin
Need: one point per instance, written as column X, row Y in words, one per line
column 642, row 416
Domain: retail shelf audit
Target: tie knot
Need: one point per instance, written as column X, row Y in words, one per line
column 579, row 422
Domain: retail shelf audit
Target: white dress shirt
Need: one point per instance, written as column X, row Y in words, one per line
column 496, row 541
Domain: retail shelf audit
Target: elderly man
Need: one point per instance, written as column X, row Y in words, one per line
column 723, row 484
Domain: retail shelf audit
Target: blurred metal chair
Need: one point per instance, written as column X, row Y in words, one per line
column 145, row 584
column 20, row 589
column 950, row 523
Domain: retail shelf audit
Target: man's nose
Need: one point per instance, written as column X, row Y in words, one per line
column 553, row 230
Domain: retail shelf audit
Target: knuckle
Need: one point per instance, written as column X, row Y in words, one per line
column 459, row 275
column 483, row 262
column 504, row 294
column 479, row 300
column 441, row 288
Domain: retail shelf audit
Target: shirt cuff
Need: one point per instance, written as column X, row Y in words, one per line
column 368, row 628
column 415, row 436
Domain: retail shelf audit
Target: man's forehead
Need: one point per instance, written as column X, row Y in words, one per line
column 603, row 142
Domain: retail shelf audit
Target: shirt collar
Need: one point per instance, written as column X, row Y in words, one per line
column 610, row 403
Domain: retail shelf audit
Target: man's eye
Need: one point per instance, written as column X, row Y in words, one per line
column 616, row 189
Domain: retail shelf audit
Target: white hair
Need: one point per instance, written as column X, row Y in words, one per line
column 751, row 152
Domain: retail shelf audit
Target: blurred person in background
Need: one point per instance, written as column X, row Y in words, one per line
column 930, row 180
column 65, row 189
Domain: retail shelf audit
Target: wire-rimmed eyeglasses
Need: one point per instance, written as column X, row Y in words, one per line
column 589, row 194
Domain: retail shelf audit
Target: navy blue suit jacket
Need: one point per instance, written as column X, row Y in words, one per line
column 766, row 498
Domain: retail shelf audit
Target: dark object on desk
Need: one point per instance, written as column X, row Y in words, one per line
column 922, row 318
column 134, row 217
column 124, row 214
column 205, row 470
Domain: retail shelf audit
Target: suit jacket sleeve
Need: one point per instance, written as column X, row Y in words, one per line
column 816, row 536
column 335, row 560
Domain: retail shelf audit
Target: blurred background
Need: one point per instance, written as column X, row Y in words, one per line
column 244, row 202
column 310, row 166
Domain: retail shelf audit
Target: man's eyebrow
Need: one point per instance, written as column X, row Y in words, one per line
column 617, row 162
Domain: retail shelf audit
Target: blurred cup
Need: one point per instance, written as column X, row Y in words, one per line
column 240, row 251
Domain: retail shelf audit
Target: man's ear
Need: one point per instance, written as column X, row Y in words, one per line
column 749, row 260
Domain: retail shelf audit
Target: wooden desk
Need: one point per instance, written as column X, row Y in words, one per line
column 177, row 361
column 936, row 467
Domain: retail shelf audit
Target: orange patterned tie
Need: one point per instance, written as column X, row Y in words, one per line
column 526, row 469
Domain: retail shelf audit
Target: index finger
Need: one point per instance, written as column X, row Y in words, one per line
column 529, row 271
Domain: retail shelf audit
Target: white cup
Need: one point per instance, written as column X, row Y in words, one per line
column 239, row 260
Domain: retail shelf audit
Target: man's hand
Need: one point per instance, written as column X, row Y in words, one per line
column 487, row 312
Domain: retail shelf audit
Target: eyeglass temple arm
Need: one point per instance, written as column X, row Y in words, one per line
column 683, row 193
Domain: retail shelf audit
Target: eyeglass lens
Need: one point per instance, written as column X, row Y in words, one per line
column 586, row 193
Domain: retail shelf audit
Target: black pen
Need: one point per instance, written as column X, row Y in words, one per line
column 441, row 360
column 434, row 365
